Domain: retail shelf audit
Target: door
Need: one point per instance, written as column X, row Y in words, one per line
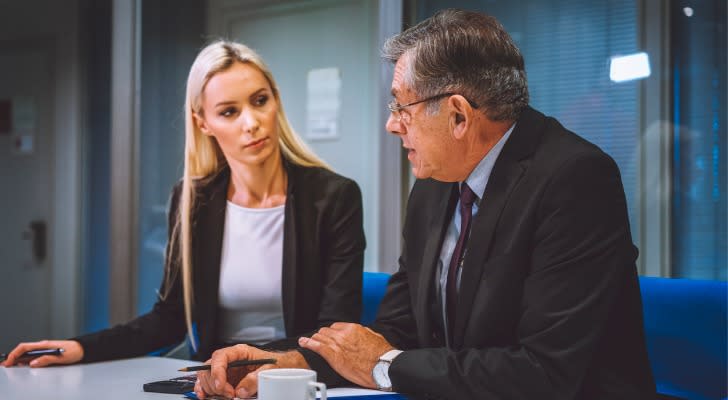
column 26, row 159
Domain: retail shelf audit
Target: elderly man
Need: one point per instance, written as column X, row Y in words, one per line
column 517, row 277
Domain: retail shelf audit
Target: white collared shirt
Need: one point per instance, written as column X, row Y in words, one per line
column 477, row 180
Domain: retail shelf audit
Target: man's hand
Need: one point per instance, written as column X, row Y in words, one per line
column 350, row 349
column 240, row 381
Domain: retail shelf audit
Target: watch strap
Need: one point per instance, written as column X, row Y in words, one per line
column 390, row 355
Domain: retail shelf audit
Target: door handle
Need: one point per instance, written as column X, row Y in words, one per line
column 38, row 233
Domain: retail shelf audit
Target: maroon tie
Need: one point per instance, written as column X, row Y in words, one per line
column 467, row 197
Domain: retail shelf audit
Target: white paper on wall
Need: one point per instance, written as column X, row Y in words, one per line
column 323, row 102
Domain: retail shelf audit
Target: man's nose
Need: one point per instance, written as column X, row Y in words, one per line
column 394, row 126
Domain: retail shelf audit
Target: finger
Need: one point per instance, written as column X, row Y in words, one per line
column 21, row 348
column 343, row 325
column 198, row 389
column 218, row 371
column 45, row 361
column 326, row 331
column 11, row 358
column 303, row 341
column 248, row 386
column 234, row 375
column 330, row 336
column 202, row 376
column 327, row 339
column 316, row 346
column 205, row 381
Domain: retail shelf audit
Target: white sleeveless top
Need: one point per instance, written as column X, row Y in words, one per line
column 250, row 303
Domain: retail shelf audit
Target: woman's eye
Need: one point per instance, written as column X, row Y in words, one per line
column 261, row 100
column 228, row 112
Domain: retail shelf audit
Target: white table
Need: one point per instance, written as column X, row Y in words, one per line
column 122, row 379
column 112, row 380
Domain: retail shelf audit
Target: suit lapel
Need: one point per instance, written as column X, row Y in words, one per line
column 288, row 284
column 437, row 227
column 208, row 228
column 507, row 171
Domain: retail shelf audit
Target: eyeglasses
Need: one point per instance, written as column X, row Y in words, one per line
column 396, row 108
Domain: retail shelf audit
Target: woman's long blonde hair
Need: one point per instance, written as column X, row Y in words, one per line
column 203, row 156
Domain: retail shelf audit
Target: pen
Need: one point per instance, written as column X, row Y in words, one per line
column 29, row 355
column 239, row 363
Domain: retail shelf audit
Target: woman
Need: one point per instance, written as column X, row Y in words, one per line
column 265, row 242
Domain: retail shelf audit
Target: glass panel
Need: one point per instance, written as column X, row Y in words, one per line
column 171, row 37
column 699, row 182
column 96, row 211
column 567, row 45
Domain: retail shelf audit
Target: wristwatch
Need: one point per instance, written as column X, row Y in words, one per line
column 380, row 373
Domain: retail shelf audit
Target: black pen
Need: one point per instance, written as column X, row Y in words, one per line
column 239, row 363
column 29, row 355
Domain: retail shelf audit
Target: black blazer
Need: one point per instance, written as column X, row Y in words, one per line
column 549, row 305
column 323, row 253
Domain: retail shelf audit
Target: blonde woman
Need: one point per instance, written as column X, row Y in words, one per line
column 265, row 241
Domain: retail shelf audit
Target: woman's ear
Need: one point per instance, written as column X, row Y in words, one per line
column 201, row 124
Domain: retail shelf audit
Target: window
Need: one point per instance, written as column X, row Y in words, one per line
column 567, row 46
column 698, row 46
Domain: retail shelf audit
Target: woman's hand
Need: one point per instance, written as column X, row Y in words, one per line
column 72, row 353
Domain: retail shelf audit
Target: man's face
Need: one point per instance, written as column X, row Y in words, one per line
column 424, row 135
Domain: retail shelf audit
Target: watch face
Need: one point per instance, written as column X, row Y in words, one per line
column 380, row 373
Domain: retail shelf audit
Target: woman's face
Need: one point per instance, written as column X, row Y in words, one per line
column 239, row 110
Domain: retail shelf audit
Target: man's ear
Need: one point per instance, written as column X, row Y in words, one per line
column 201, row 124
column 461, row 115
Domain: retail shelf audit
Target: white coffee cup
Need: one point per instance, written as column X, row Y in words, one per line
column 289, row 384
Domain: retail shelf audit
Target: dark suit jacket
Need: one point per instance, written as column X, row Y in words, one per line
column 323, row 252
column 549, row 304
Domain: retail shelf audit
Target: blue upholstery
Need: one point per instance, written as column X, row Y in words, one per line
column 375, row 284
column 182, row 350
column 685, row 324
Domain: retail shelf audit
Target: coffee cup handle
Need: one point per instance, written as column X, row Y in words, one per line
column 321, row 387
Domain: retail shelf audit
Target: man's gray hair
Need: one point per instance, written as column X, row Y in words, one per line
column 467, row 53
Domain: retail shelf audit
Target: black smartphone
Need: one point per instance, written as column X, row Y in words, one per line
column 179, row 385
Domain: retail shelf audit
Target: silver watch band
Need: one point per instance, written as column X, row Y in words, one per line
column 380, row 373
column 390, row 355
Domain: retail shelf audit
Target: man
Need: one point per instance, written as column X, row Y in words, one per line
column 517, row 277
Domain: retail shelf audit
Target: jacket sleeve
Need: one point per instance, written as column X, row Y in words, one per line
column 395, row 319
column 162, row 326
column 344, row 245
column 581, row 255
